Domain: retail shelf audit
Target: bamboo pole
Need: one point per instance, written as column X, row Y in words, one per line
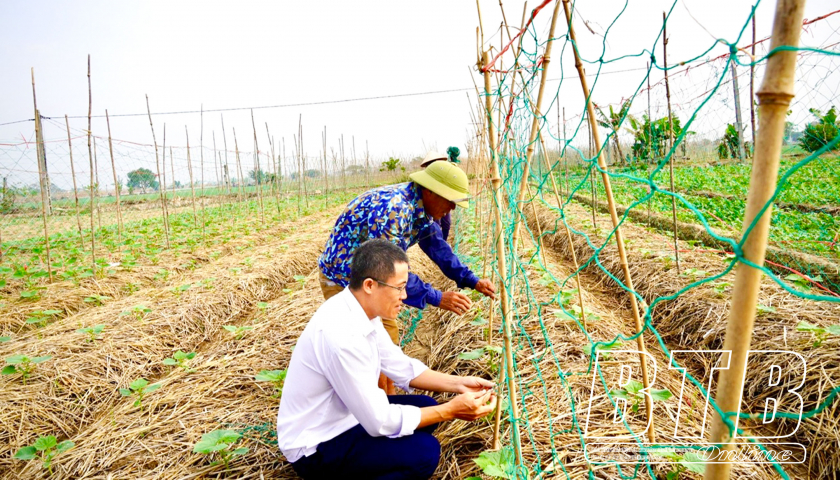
column 157, row 164
column 98, row 202
column 619, row 237
column 501, row 261
column 116, row 180
column 227, row 164
column 201, row 152
column 650, row 137
column 241, row 180
column 163, row 181
column 75, row 189
column 671, row 148
column 90, row 160
column 326, row 174
column 589, row 154
column 274, row 185
column 44, row 194
column 257, row 170
column 752, row 81
column 192, row 184
column 739, row 125
column 43, row 174
column 302, row 161
column 774, row 97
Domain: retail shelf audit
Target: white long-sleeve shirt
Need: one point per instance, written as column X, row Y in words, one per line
column 331, row 383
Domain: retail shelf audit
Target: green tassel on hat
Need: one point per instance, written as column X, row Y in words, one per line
column 453, row 153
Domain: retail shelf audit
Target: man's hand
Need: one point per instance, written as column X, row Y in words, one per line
column 473, row 384
column 485, row 287
column 455, row 302
column 471, row 405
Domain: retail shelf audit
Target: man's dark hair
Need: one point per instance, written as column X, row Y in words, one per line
column 375, row 259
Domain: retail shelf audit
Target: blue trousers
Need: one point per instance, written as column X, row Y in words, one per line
column 355, row 454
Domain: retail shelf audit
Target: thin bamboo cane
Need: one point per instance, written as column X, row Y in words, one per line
column 752, row 81
column 90, row 160
column 163, row 182
column 227, row 164
column 589, row 154
column 44, row 194
column 326, row 174
column 739, row 124
column 98, row 202
column 192, row 184
column 300, row 175
column 274, row 186
column 535, row 124
column 257, row 171
column 502, row 266
column 774, row 98
column 619, row 237
column 650, row 138
column 117, row 185
column 43, row 173
column 157, row 164
column 671, row 148
column 203, row 207
column 241, row 180
column 75, row 189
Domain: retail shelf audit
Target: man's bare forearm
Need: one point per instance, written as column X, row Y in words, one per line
column 435, row 381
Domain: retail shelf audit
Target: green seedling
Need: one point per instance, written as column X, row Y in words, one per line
column 802, row 283
column 496, row 464
column 300, row 279
column 720, row 288
column 92, row 332
column 693, row 273
column 139, row 388
column 764, row 309
column 23, row 365
column 820, row 333
column 220, row 441
column 276, row 377
column 207, row 282
column 180, row 359
column 41, row 317
column 31, row 294
column 45, row 448
column 137, row 311
column 162, row 275
column 287, row 291
column 566, row 296
column 237, row 332
column 604, row 348
column 183, row 288
column 97, row 299
column 687, row 462
column 5, row 339
column 633, row 392
column 492, row 350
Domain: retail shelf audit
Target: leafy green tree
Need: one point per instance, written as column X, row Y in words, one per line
column 820, row 133
column 651, row 137
column 142, row 179
column 391, row 165
column 613, row 122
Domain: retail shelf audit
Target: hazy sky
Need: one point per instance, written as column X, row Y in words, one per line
column 249, row 54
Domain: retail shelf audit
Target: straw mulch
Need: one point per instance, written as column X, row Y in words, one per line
column 696, row 320
column 79, row 386
column 69, row 298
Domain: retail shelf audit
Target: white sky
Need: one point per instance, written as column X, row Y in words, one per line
column 242, row 54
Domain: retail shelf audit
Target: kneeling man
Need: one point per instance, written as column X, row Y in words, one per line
column 334, row 421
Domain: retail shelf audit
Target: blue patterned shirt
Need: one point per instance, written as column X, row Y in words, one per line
column 395, row 213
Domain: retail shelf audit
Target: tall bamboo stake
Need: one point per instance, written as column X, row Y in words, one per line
column 157, row 164
column 275, row 163
column 90, row 159
column 43, row 174
column 257, row 171
column 163, row 181
column 116, row 180
column 326, row 175
column 752, row 81
column 192, row 184
column 619, row 237
column 590, row 154
column 241, row 180
column 201, row 151
column 739, row 125
column 774, row 98
column 96, row 183
column 44, row 193
column 650, row 137
column 75, row 189
column 501, row 262
column 227, row 164
column 671, row 148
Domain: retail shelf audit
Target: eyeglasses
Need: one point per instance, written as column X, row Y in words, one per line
column 399, row 289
